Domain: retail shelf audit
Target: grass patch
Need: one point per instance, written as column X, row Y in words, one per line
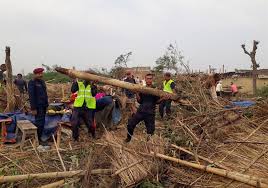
column 263, row 92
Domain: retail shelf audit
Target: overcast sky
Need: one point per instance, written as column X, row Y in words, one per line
column 92, row 33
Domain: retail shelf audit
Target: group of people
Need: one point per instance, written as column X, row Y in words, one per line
column 85, row 103
column 233, row 88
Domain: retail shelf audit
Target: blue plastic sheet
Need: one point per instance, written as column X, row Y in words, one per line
column 243, row 103
column 49, row 128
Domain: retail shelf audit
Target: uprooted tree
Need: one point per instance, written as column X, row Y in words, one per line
column 254, row 65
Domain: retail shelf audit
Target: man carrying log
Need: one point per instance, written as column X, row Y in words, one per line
column 146, row 111
column 168, row 86
column 84, row 105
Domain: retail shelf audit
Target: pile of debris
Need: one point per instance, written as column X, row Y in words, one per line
column 207, row 143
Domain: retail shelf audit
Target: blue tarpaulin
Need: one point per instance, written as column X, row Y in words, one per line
column 49, row 129
column 243, row 103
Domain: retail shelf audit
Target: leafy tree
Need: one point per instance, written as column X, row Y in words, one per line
column 171, row 60
column 120, row 63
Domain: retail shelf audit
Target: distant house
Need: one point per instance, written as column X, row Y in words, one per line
column 262, row 73
column 243, row 79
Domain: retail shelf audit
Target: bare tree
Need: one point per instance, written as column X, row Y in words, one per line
column 255, row 65
column 9, row 85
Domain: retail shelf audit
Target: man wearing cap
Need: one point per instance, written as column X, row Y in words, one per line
column 168, row 86
column 84, row 105
column 38, row 100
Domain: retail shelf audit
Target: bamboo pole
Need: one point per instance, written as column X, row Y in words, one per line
column 62, row 163
column 200, row 157
column 54, row 184
column 114, row 82
column 66, row 174
column 250, row 180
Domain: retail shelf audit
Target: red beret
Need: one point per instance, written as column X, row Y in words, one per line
column 38, row 70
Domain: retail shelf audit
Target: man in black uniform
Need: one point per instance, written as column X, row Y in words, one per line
column 129, row 94
column 21, row 85
column 38, row 100
column 145, row 112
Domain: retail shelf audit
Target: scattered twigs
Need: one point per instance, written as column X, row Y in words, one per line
column 13, row 162
column 125, row 168
column 62, row 163
column 38, row 156
column 194, row 137
column 251, row 164
column 243, row 142
column 252, row 133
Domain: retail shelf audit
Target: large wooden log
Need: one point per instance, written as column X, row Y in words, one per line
column 114, row 82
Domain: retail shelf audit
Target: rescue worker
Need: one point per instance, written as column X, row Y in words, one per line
column 38, row 101
column 168, row 86
column 84, row 105
column 145, row 112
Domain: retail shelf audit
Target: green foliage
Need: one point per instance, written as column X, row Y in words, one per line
column 263, row 92
column 171, row 60
column 121, row 61
column 52, row 77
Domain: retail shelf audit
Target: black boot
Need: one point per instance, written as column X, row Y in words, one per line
column 128, row 139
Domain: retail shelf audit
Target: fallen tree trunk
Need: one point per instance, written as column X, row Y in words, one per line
column 114, row 82
column 66, row 174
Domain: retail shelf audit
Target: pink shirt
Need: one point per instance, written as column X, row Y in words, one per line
column 234, row 88
column 99, row 95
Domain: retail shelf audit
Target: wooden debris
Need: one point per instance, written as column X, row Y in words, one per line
column 54, row 184
column 49, row 175
column 200, row 157
column 250, row 180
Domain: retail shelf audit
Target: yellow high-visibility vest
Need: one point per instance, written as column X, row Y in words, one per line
column 84, row 94
column 167, row 86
